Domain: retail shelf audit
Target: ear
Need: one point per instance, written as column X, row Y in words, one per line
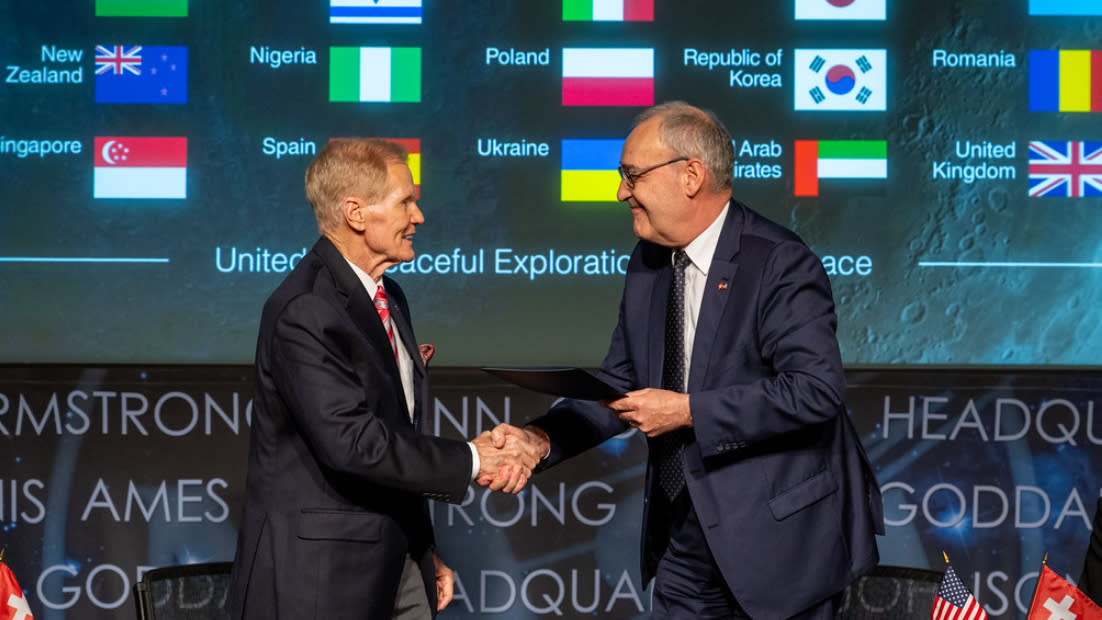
column 353, row 211
column 694, row 177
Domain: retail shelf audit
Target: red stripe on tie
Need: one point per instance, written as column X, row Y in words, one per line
column 383, row 308
column 608, row 91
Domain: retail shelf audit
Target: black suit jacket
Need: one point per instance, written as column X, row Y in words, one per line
column 785, row 494
column 338, row 475
column 1091, row 580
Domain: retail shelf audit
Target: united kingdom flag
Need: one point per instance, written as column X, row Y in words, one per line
column 1065, row 169
column 116, row 59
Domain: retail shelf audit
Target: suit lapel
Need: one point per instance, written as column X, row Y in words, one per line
column 360, row 307
column 717, row 292
column 659, row 297
column 399, row 313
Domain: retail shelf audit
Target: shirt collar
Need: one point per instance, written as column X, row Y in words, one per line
column 370, row 285
column 701, row 249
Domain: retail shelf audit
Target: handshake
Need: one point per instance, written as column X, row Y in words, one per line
column 508, row 455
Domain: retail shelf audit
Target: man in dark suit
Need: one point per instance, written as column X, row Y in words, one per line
column 1090, row 582
column 336, row 521
column 759, row 499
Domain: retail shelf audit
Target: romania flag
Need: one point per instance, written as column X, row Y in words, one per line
column 1065, row 80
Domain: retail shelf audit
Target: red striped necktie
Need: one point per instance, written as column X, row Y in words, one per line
column 384, row 315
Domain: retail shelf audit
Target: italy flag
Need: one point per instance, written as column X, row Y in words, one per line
column 608, row 10
column 386, row 74
column 589, row 170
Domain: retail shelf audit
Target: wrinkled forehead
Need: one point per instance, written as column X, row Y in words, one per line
column 644, row 143
column 399, row 179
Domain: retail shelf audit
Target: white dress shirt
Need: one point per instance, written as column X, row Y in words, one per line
column 700, row 252
column 405, row 362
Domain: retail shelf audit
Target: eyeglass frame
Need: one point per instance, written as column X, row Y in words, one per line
column 630, row 177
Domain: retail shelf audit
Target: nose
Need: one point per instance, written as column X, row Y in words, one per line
column 623, row 192
column 416, row 217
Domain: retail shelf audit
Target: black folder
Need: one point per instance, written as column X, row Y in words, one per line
column 560, row 381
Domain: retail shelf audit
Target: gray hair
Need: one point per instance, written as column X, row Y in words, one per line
column 349, row 167
column 692, row 132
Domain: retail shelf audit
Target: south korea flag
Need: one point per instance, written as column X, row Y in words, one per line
column 840, row 79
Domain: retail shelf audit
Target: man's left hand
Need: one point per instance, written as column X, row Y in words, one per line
column 445, row 582
column 653, row 411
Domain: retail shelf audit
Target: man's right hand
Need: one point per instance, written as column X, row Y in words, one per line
column 507, row 458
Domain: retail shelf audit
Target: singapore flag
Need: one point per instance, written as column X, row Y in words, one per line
column 129, row 167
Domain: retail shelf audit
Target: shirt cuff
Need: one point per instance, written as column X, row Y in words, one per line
column 476, row 463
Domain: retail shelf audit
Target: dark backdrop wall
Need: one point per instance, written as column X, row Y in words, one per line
column 942, row 157
column 110, row 471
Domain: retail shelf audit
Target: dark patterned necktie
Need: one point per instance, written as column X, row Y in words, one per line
column 671, row 473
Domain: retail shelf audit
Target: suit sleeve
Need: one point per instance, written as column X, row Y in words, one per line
column 804, row 382
column 1090, row 582
column 319, row 373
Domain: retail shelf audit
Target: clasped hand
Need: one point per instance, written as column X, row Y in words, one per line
column 507, row 457
column 652, row 411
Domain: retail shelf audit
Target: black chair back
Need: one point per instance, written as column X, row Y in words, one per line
column 891, row 592
column 186, row 592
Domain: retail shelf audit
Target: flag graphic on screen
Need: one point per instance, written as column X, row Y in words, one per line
column 413, row 147
column 129, row 167
column 608, row 10
column 375, row 11
column 1065, row 169
column 1056, row 599
column 141, row 74
column 12, row 602
column 607, row 76
column 1065, row 80
column 1065, row 7
column 954, row 601
column 589, row 170
column 841, row 79
column 387, row 74
column 837, row 159
column 141, row 8
column 840, row 9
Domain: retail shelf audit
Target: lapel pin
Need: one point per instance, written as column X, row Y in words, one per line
column 722, row 286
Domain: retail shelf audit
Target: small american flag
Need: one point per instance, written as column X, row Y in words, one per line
column 954, row 601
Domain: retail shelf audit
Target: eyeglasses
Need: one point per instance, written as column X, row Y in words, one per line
column 631, row 176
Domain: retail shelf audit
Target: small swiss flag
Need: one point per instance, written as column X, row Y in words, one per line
column 1056, row 599
column 13, row 605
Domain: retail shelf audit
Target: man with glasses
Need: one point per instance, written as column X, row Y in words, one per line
column 759, row 499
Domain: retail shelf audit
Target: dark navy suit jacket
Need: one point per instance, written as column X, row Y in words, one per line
column 784, row 491
column 338, row 475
